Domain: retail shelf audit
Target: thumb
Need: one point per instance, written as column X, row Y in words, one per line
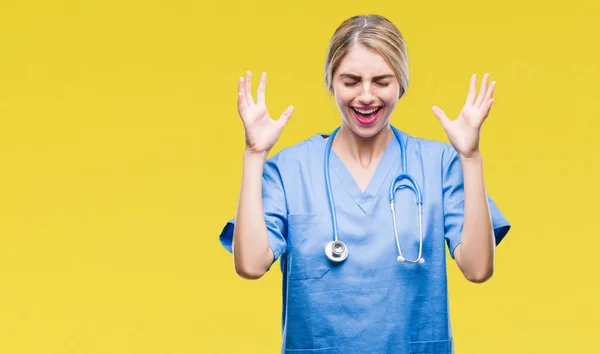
column 286, row 115
column 441, row 116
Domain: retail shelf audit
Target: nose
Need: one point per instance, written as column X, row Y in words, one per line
column 366, row 96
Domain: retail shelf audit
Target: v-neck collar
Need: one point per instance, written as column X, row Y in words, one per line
column 388, row 163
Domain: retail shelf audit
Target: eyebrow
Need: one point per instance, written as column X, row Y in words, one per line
column 358, row 78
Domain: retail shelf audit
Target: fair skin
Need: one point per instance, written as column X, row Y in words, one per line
column 363, row 79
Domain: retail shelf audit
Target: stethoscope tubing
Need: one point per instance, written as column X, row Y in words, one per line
column 414, row 186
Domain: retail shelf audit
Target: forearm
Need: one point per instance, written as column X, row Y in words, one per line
column 477, row 247
column 252, row 255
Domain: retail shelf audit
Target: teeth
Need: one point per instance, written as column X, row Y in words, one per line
column 366, row 112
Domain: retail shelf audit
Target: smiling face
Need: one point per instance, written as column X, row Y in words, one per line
column 366, row 91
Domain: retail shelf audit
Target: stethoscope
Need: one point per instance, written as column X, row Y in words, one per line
column 336, row 250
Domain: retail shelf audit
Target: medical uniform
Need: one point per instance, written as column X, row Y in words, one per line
column 368, row 303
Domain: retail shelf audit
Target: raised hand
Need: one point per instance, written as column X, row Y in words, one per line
column 261, row 130
column 464, row 131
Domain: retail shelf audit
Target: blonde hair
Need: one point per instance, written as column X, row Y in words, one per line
column 376, row 33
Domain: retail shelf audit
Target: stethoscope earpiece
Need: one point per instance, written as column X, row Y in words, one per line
column 403, row 260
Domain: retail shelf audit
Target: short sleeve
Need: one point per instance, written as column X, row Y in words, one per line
column 275, row 212
column 453, row 201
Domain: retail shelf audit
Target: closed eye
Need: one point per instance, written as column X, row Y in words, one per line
column 353, row 83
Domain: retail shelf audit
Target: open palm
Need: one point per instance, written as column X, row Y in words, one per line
column 261, row 130
column 464, row 131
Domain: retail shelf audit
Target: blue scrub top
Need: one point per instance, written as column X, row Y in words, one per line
column 369, row 303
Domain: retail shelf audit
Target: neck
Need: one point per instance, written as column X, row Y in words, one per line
column 363, row 151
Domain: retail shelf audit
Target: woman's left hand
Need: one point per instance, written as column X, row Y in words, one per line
column 463, row 132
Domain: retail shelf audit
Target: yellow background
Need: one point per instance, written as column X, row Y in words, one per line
column 120, row 161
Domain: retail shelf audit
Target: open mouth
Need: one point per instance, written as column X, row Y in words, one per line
column 366, row 116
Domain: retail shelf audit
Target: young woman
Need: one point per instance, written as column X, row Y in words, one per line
column 360, row 218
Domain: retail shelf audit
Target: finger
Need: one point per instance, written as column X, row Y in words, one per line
column 490, row 92
column 260, row 93
column 241, row 86
column 249, row 98
column 487, row 108
column 286, row 115
column 241, row 102
column 482, row 90
column 471, row 95
column 441, row 116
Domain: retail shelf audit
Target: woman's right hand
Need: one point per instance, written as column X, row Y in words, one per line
column 261, row 130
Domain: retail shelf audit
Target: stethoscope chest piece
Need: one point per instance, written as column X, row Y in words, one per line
column 336, row 251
